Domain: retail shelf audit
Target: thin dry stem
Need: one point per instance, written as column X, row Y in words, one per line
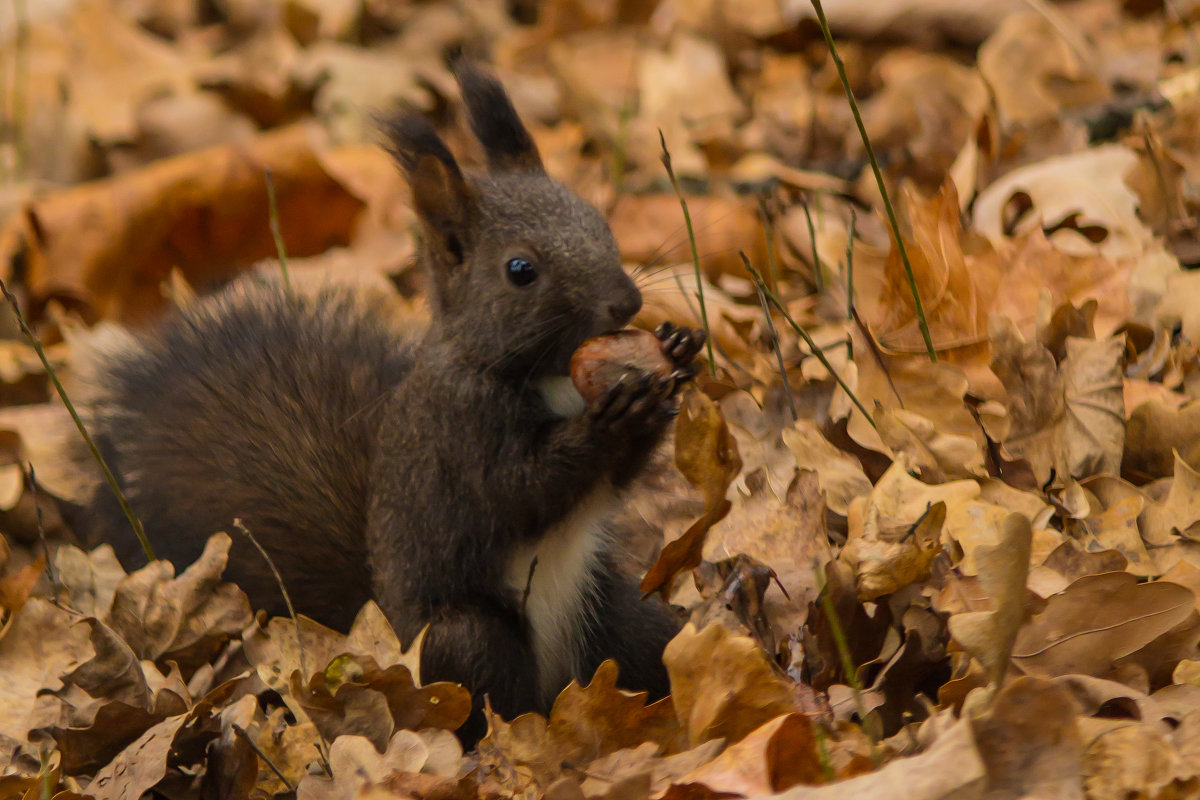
column 287, row 599
column 240, row 731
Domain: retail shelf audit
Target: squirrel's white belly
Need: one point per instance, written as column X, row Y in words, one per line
column 556, row 595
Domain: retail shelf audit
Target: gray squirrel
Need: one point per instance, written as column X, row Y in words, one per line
column 449, row 474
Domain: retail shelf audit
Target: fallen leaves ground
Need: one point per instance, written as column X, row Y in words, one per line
column 978, row 577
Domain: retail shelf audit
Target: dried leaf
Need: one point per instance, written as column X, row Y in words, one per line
column 722, row 685
column 707, row 455
column 1097, row 620
column 1003, row 568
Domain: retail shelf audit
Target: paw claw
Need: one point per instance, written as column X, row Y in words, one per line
column 637, row 405
column 681, row 345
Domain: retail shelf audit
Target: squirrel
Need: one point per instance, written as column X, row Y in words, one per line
column 451, row 474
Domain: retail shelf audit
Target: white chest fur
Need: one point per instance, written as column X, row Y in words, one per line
column 561, row 396
column 556, row 593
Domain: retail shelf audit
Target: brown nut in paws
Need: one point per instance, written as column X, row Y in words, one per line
column 602, row 361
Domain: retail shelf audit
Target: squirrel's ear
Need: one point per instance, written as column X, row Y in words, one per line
column 440, row 194
column 494, row 121
column 442, row 200
column 409, row 137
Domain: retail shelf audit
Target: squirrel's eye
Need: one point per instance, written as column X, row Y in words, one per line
column 520, row 271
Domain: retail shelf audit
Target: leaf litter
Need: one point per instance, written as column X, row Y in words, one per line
column 982, row 582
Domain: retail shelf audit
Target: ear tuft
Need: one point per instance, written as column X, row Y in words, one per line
column 494, row 121
column 410, row 137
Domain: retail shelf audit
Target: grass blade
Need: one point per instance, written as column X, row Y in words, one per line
column 887, row 202
column 687, row 219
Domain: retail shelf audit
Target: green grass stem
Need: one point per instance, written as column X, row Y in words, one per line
column 109, row 477
column 760, row 287
column 887, row 203
column 816, row 351
column 850, row 267
column 277, row 230
column 687, row 219
column 772, row 252
column 818, row 275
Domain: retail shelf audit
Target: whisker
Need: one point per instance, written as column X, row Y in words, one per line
column 663, row 270
column 699, row 225
column 549, row 327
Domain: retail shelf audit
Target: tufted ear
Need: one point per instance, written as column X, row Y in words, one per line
column 409, row 137
column 440, row 194
column 495, row 122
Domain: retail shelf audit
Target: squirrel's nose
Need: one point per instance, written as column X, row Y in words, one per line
column 623, row 310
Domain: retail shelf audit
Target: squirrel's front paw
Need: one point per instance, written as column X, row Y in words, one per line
column 637, row 404
column 681, row 345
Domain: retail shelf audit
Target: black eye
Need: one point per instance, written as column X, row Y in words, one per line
column 520, row 272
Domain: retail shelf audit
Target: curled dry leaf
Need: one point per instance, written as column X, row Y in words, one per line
column 707, row 455
column 895, row 532
column 1098, row 620
column 840, row 474
column 777, row 756
column 1030, row 742
column 1153, row 433
column 113, row 241
column 1068, row 418
column 952, row 766
column 722, row 685
column 885, row 556
column 1003, row 568
column 158, row 614
column 586, row 723
column 36, row 647
column 356, row 763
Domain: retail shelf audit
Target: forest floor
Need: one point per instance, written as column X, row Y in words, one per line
column 934, row 550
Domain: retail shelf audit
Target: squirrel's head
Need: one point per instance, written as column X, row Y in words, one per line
column 522, row 270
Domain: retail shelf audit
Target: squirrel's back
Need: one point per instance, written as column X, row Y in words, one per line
column 257, row 404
